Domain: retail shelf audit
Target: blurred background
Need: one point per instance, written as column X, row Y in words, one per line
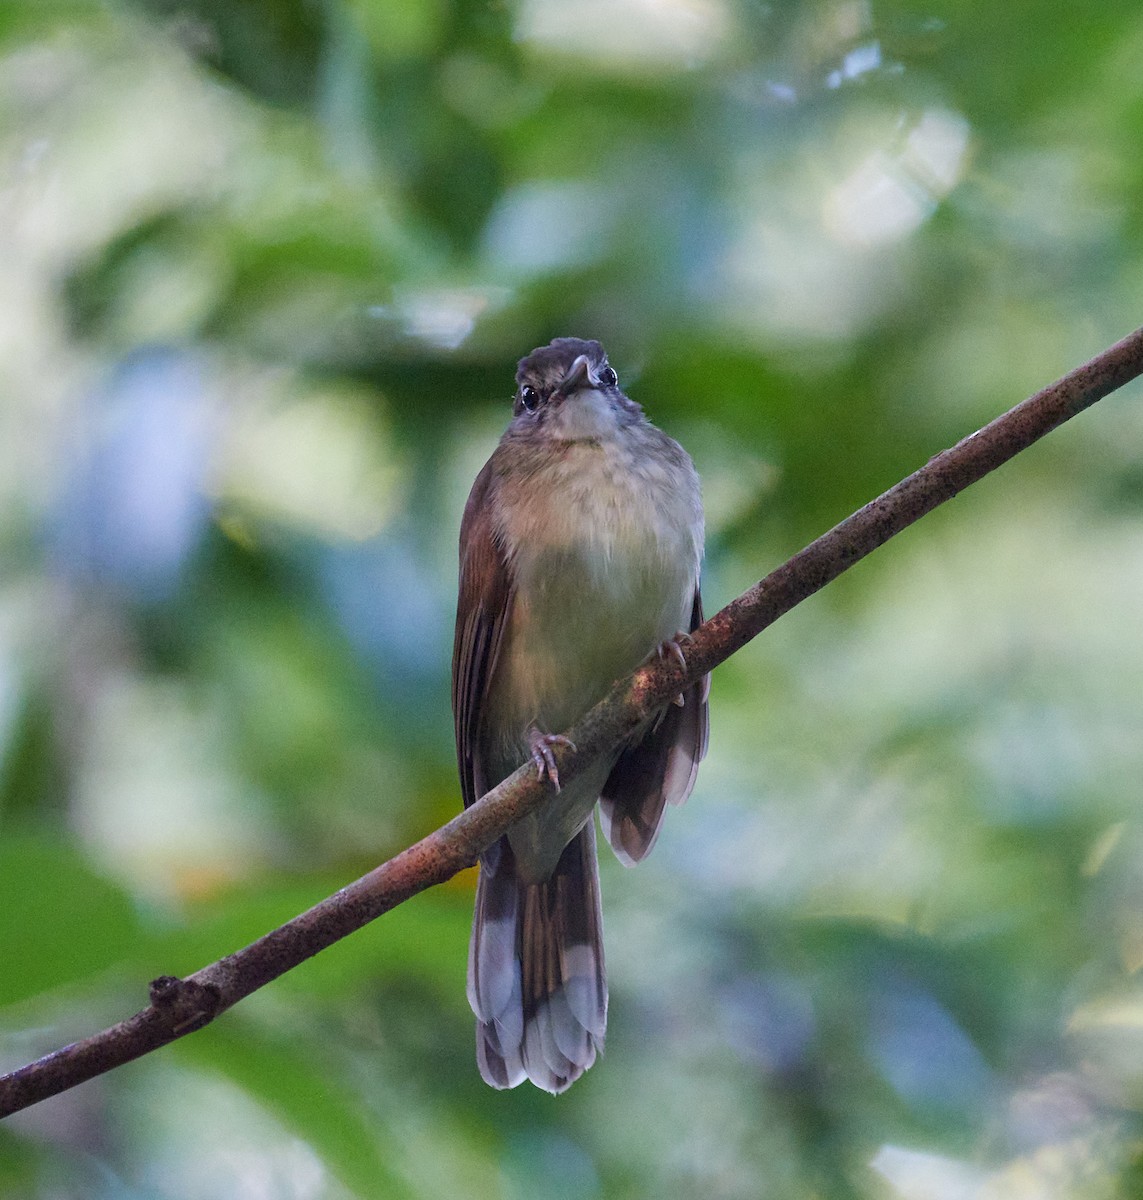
column 266, row 268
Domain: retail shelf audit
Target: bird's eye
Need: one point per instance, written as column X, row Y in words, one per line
column 608, row 377
column 529, row 398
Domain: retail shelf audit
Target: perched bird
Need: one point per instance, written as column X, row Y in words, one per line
column 580, row 550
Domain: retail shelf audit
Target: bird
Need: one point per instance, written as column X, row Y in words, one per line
column 580, row 552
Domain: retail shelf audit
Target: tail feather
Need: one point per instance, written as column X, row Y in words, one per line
column 536, row 978
column 658, row 770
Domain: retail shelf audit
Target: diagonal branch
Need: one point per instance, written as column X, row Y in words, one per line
column 179, row 1006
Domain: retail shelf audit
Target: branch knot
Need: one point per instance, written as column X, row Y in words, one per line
column 187, row 1004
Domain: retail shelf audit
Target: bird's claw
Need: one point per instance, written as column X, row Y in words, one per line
column 672, row 648
column 541, row 745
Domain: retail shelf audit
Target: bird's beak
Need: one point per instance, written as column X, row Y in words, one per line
column 580, row 375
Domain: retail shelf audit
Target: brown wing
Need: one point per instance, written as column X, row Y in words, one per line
column 656, row 771
column 481, row 611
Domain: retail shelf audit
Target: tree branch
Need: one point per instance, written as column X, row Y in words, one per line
column 179, row 1007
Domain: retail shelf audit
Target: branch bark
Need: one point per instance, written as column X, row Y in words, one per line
column 180, row 1006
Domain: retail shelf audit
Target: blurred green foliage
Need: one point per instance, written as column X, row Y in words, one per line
column 266, row 267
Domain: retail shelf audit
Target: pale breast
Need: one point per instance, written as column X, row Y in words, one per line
column 605, row 558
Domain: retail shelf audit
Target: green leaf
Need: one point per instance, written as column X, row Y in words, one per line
column 304, row 1095
column 59, row 920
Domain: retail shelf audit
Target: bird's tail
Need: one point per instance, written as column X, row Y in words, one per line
column 536, row 978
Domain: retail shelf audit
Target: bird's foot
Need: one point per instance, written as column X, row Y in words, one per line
column 672, row 648
column 541, row 745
